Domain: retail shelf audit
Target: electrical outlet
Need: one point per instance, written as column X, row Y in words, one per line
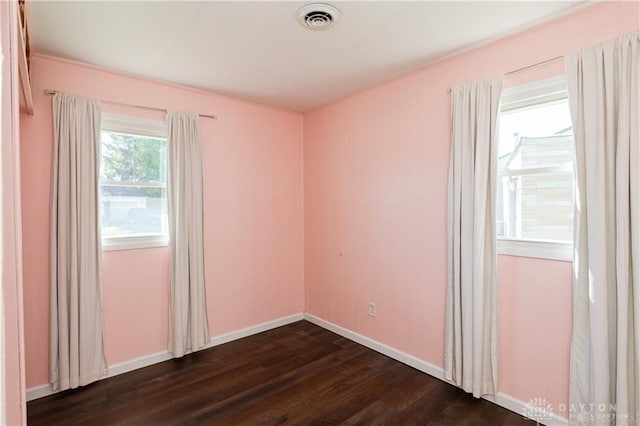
column 372, row 309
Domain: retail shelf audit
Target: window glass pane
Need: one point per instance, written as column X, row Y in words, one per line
column 536, row 204
column 533, row 122
column 133, row 185
column 536, row 207
column 133, row 210
column 129, row 158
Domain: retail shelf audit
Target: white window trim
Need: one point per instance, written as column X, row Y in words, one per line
column 553, row 250
column 535, row 93
column 132, row 242
column 133, row 125
column 139, row 127
column 526, row 95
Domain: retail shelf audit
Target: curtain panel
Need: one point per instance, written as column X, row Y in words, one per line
column 188, row 323
column 604, row 94
column 77, row 349
column 471, row 313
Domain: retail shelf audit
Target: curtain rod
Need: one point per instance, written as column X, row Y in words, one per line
column 528, row 67
column 53, row 92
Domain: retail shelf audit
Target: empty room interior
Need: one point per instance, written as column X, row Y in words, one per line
column 342, row 212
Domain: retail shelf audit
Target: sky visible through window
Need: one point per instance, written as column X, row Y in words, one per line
column 537, row 121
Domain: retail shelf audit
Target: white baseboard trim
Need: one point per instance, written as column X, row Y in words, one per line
column 147, row 360
column 254, row 329
column 503, row 400
column 37, row 392
column 405, row 358
column 518, row 407
column 141, row 362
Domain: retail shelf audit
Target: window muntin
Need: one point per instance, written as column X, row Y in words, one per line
column 133, row 204
column 535, row 171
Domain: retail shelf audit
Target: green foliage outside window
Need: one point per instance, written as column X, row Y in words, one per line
column 127, row 158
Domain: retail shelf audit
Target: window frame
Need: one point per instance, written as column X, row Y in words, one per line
column 136, row 126
column 519, row 97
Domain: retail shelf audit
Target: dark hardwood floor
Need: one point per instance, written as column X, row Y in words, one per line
column 297, row 374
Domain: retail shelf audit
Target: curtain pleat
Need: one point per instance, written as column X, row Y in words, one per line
column 471, row 312
column 77, row 350
column 604, row 93
column 188, row 323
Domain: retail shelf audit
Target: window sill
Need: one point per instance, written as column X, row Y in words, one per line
column 134, row 242
column 537, row 249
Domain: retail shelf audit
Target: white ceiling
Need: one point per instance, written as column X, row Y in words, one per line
column 257, row 51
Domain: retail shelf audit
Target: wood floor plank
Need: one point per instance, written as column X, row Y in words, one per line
column 297, row 374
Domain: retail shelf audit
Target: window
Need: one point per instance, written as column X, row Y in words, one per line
column 133, row 170
column 535, row 172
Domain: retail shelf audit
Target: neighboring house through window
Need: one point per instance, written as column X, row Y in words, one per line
column 535, row 171
column 133, row 171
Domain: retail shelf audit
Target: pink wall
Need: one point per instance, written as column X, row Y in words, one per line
column 253, row 216
column 375, row 185
column 535, row 302
column 375, row 180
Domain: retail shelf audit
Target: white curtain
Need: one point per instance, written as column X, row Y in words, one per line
column 604, row 94
column 471, row 314
column 188, row 323
column 77, row 350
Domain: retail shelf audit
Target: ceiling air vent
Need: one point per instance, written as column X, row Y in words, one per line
column 318, row 16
